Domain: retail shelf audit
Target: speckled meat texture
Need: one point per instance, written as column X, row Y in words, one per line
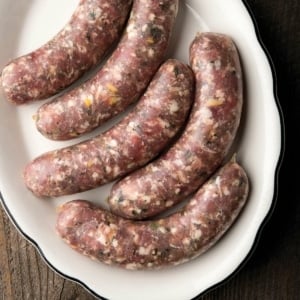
column 138, row 138
column 205, row 142
column 93, row 28
column 122, row 79
column 178, row 238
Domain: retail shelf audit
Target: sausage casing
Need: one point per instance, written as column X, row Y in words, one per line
column 205, row 141
column 120, row 81
column 178, row 238
column 138, row 138
column 93, row 28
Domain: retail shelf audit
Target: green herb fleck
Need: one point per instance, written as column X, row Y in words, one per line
column 164, row 6
column 156, row 33
column 176, row 71
column 154, row 225
column 92, row 15
column 120, row 197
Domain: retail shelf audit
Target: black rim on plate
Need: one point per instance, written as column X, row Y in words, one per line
column 262, row 225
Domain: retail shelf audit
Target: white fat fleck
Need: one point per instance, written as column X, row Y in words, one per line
column 174, row 7
column 146, row 198
column 138, row 210
column 95, row 175
column 91, row 234
column 218, row 183
column 220, row 95
column 174, row 107
column 84, row 97
column 132, row 125
column 206, row 116
column 226, row 191
column 162, row 229
column 101, row 238
column 236, row 182
column 151, row 17
column 116, row 170
column 80, row 156
column 174, row 230
column 154, row 168
column 134, row 196
column 81, row 48
column 196, row 234
column 179, row 162
column 117, row 75
column 52, row 69
column 131, row 32
column 130, row 27
column 193, row 202
column 108, row 169
column 205, row 113
column 135, row 238
column 71, row 103
column 70, row 44
column 120, row 259
column 144, row 251
column 186, row 241
column 169, row 203
column 182, row 177
column 59, row 177
column 164, row 124
column 218, row 64
column 206, row 195
column 86, row 124
column 177, row 191
column 144, row 28
column 49, row 51
column 113, row 226
column 100, row 91
column 34, row 92
column 150, row 52
column 131, row 165
column 131, row 266
column 115, row 243
column 113, row 143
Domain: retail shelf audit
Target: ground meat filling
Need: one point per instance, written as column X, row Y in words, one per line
column 122, row 79
column 205, row 141
column 80, row 45
column 138, row 138
column 178, row 238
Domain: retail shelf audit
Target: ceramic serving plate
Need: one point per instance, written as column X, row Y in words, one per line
column 27, row 24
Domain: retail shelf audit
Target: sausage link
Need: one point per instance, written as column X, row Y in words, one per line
column 121, row 80
column 93, row 28
column 138, row 138
column 178, row 238
column 206, row 139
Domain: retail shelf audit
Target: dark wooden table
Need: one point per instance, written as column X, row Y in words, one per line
column 273, row 269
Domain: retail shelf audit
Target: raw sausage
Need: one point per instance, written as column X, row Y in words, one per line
column 205, row 142
column 122, row 79
column 93, row 28
column 138, row 138
column 178, row 238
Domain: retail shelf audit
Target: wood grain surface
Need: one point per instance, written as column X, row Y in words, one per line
column 273, row 269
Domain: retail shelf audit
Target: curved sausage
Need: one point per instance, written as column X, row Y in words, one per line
column 138, row 138
column 93, row 28
column 178, row 238
column 205, row 142
column 121, row 80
